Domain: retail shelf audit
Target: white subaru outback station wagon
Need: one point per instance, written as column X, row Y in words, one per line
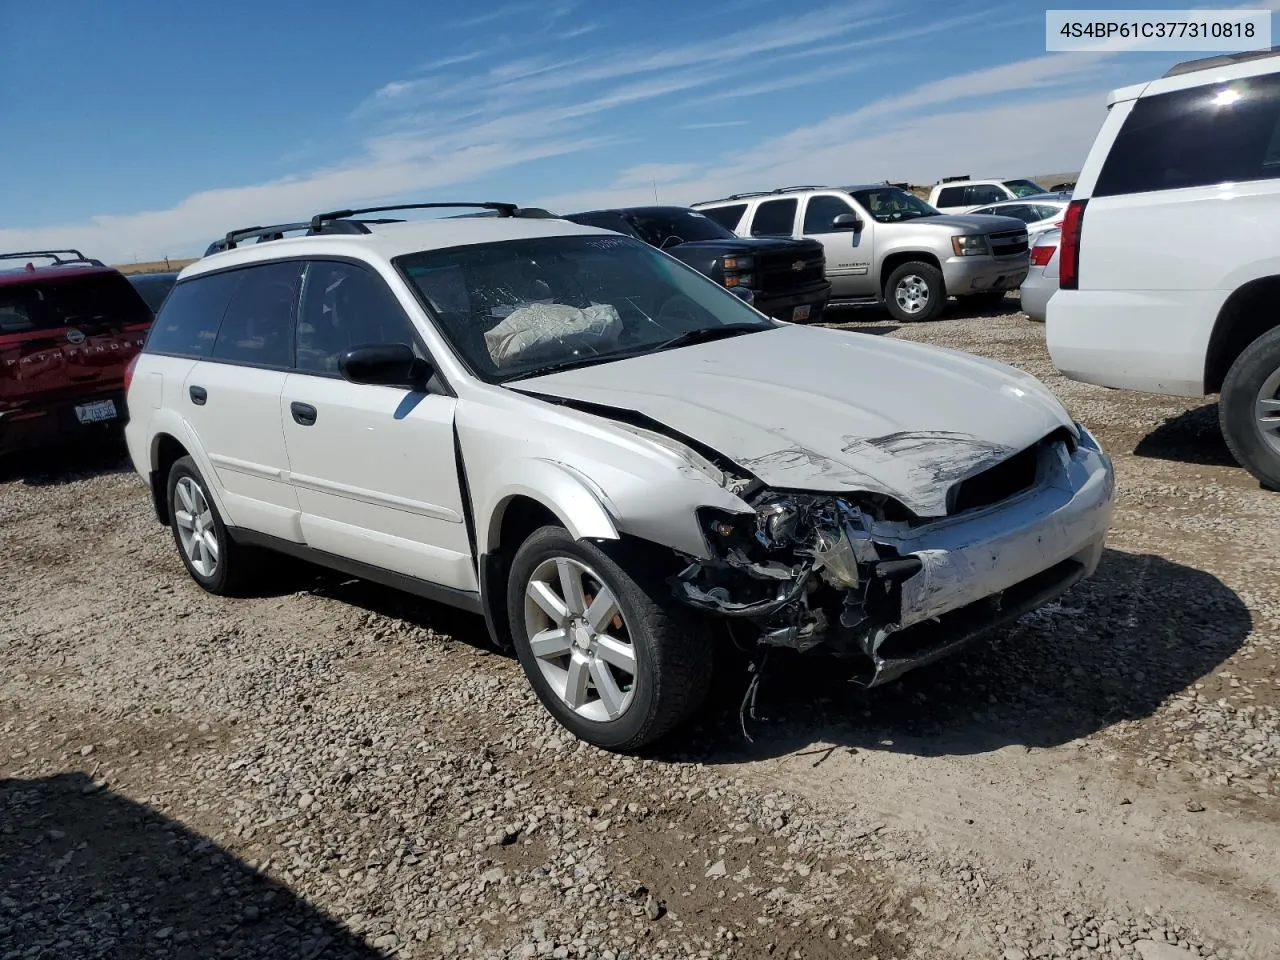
column 603, row 452
column 1170, row 252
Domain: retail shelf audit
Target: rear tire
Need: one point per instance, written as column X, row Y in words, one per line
column 1249, row 409
column 608, row 654
column 213, row 559
column 915, row 292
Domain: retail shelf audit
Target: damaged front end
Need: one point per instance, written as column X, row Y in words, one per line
column 862, row 579
column 804, row 570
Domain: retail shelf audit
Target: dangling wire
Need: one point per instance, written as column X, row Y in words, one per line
column 748, row 705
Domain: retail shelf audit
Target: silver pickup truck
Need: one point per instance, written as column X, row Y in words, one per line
column 886, row 245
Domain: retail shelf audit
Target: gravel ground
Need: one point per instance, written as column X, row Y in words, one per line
column 330, row 769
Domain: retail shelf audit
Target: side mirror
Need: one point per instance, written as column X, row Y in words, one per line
column 847, row 221
column 386, row 365
column 743, row 293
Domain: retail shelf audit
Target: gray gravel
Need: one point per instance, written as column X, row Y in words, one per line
column 334, row 770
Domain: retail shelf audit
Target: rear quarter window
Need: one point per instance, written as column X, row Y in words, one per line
column 774, row 218
column 187, row 324
column 1219, row 133
column 951, row 197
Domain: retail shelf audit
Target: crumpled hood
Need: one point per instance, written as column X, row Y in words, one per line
column 804, row 408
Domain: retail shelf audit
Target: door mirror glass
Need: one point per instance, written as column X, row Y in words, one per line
column 847, row 221
column 387, row 365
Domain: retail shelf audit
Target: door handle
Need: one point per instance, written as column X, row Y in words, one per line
column 304, row 414
column 198, row 395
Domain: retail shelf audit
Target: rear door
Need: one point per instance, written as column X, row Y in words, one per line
column 231, row 397
column 374, row 467
column 66, row 339
column 848, row 252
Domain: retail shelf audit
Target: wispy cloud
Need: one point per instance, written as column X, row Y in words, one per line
column 492, row 16
column 395, row 88
column 452, row 61
column 714, row 124
column 579, row 31
column 654, row 173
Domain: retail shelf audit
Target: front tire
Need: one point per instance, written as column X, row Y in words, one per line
column 213, row 559
column 1249, row 409
column 915, row 292
column 607, row 653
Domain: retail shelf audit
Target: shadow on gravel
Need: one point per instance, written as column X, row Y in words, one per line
column 93, row 874
column 1112, row 649
column 51, row 466
column 1191, row 437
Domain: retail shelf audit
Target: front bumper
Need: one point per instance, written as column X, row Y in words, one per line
column 783, row 306
column 966, row 275
column 981, row 571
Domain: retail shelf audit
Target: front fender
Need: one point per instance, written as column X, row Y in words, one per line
column 573, row 497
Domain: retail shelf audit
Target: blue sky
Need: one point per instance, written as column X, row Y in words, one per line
column 139, row 129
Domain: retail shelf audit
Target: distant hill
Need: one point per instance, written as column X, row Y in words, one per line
column 153, row 266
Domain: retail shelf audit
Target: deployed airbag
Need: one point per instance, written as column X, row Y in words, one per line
column 529, row 328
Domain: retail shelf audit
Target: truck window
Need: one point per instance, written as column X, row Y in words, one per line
column 983, row 193
column 727, row 217
column 1194, row 138
column 820, row 211
column 774, row 218
column 951, row 197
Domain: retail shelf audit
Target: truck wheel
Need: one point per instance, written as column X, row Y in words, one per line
column 613, row 660
column 915, row 292
column 1249, row 409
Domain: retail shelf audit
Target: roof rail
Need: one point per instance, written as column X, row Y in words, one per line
column 1223, row 60
column 802, row 186
column 743, row 196
column 55, row 255
column 963, row 176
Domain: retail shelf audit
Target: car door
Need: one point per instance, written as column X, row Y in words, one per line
column 231, row 396
column 374, row 467
column 848, row 252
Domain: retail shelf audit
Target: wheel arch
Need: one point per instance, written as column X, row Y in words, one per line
column 897, row 258
column 1245, row 316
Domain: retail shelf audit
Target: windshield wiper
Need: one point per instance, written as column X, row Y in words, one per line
column 572, row 364
column 704, row 334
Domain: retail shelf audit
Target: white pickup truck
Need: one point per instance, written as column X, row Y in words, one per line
column 961, row 194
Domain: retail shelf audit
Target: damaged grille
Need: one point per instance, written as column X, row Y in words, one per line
column 1006, row 479
column 777, row 272
column 1009, row 244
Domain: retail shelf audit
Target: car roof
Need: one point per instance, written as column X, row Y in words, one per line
column 1197, row 73
column 642, row 210
column 51, row 272
column 385, row 241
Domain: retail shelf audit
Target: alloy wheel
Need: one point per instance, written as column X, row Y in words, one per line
column 196, row 530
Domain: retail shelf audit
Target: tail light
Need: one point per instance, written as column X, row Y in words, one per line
column 128, row 371
column 1069, row 262
column 1041, row 256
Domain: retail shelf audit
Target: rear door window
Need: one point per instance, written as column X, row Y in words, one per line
column 774, row 218
column 1219, row 133
column 728, row 216
column 257, row 328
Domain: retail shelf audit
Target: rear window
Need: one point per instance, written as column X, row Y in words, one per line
column 99, row 301
column 188, row 322
column 727, row 217
column 1220, row 133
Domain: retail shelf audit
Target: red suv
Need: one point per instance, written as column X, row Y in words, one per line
column 69, row 327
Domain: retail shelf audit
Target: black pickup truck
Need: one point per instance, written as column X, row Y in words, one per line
column 787, row 278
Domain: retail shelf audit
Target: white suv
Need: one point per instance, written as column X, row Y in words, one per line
column 603, row 452
column 1170, row 260
column 962, row 195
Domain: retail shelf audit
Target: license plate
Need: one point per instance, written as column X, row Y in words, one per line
column 96, row 412
column 800, row 313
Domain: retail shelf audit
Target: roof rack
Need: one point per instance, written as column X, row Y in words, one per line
column 344, row 222
column 1224, row 60
column 55, row 255
column 802, row 186
column 963, row 176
